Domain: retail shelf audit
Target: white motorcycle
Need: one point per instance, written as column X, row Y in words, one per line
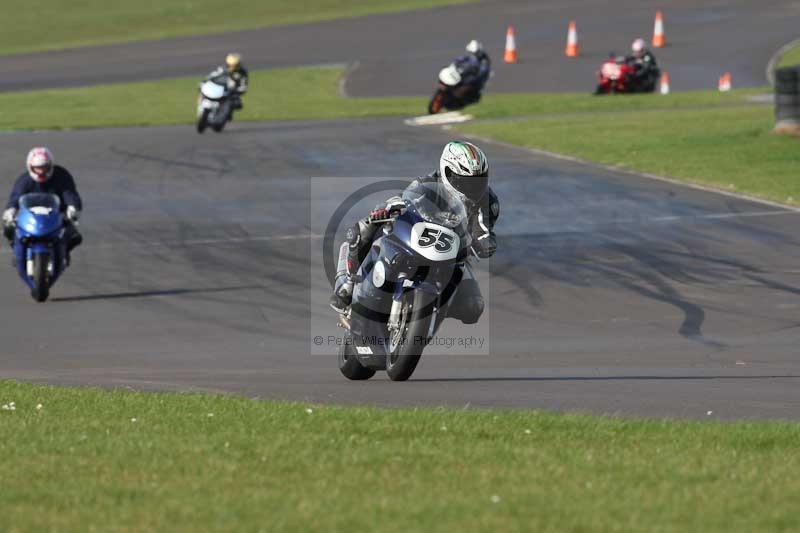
column 215, row 103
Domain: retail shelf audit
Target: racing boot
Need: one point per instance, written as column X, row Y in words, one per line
column 74, row 239
column 342, row 295
column 8, row 233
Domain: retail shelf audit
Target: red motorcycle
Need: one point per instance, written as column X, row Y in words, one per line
column 616, row 76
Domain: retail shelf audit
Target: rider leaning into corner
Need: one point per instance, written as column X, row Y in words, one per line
column 476, row 68
column 644, row 63
column 237, row 77
column 44, row 176
column 464, row 170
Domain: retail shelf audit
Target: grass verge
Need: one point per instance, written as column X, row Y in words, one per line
column 791, row 57
column 278, row 94
column 289, row 94
column 31, row 25
column 729, row 147
column 87, row 459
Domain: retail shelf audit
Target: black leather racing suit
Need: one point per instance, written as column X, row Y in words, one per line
column 475, row 71
column 646, row 71
column 482, row 216
column 62, row 184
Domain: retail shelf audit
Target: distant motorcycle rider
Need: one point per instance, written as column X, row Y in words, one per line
column 237, row 77
column 464, row 170
column 643, row 61
column 475, row 68
column 44, row 176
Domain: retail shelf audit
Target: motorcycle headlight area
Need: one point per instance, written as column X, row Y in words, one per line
column 378, row 274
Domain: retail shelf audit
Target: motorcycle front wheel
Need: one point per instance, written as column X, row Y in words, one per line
column 407, row 343
column 41, row 289
column 349, row 365
column 437, row 102
column 202, row 121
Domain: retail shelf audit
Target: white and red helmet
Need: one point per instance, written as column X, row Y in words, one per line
column 40, row 164
column 637, row 47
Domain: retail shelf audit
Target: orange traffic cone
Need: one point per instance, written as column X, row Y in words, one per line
column 725, row 82
column 511, row 46
column 664, row 89
column 658, row 31
column 572, row 40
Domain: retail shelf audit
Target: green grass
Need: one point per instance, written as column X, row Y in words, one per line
column 279, row 94
column 88, row 459
column 543, row 104
column 725, row 146
column 791, row 57
column 30, row 25
column 287, row 94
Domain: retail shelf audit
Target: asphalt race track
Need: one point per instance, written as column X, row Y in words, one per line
column 400, row 54
column 610, row 293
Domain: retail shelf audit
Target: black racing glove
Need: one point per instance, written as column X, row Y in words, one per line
column 485, row 247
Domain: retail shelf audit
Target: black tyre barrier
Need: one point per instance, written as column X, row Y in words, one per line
column 787, row 100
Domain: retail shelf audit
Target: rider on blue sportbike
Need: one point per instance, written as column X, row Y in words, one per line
column 43, row 176
column 464, row 171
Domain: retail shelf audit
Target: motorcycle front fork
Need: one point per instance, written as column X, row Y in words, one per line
column 30, row 269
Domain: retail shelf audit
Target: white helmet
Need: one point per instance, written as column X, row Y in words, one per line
column 40, row 164
column 464, row 170
column 473, row 47
column 637, row 47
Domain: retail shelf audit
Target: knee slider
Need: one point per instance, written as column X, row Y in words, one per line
column 474, row 310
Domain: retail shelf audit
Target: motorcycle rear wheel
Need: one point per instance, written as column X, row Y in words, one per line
column 415, row 321
column 41, row 289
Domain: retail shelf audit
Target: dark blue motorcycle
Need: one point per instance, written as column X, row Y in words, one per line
column 40, row 247
column 405, row 285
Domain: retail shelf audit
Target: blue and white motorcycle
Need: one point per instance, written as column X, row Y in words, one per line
column 405, row 285
column 40, row 247
column 214, row 104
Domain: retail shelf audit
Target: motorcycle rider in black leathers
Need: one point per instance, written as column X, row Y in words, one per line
column 237, row 76
column 44, row 176
column 475, row 68
column 464, row 170
column 646, row 69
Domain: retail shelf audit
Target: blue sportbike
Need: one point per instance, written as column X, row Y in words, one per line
column 40, row 247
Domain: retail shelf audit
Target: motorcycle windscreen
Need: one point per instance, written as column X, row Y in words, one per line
column 42, row 202
column 436, row 203
column 40, row 214
column 450, row 76
column 212, row 90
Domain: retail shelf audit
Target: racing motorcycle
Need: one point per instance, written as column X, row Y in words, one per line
column 447, row 91
column 40, row 247
column 617, row 75
column 214, row 104
column 404, row 287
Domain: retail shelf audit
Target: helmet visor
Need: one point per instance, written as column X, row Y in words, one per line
column 473, row 187
column 42, row 170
